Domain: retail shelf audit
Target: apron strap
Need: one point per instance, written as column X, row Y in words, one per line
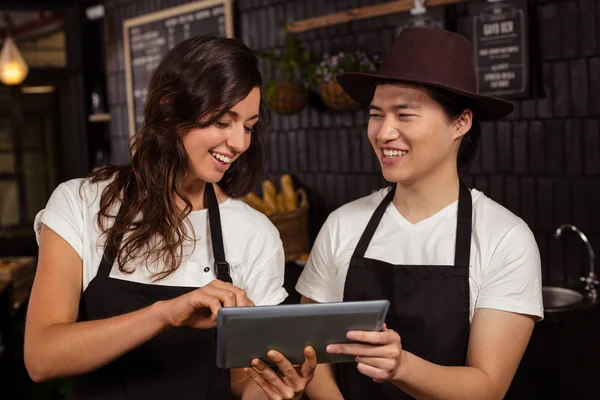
column 110, row 252
column 462, row 253
column 216, row 235
column 365, row 239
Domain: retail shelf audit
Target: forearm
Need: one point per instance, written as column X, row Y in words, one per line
column 424, row 380
column 323, row 385
column 67, row 349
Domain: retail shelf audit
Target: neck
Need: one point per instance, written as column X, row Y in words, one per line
column 194, row 190
column 417, row 201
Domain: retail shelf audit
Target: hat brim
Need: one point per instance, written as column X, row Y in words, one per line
column 360, row 87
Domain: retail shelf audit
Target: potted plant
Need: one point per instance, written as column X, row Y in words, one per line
column 332, row 93
column 289, row 93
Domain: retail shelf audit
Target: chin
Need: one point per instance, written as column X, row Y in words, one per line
column 396, row 176
column 212, row 178
column 209, row 176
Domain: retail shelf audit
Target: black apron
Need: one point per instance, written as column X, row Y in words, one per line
column 179, row 363
column 429, row 304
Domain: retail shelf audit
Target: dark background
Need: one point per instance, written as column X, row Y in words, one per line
column 542, row 162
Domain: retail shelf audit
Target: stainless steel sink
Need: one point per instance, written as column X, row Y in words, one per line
column 557, row 297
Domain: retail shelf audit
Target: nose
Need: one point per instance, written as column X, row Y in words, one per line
column 236, row 139
column 388, row 131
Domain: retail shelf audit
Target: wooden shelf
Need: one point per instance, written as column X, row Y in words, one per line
column 391, row 7
column 99, row 117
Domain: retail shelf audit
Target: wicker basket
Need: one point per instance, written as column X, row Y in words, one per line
column 335, row 97
column 290, row 98
column 293, row 229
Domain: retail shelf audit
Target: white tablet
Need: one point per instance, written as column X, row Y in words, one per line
column 246, row 333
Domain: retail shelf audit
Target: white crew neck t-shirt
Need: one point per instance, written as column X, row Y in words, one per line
column 252, row 244
column 505, row 267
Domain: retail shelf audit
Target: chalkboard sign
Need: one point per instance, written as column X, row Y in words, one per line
column 501, row 44
column 148, row 38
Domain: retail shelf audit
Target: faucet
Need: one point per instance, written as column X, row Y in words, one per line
column 590, row 280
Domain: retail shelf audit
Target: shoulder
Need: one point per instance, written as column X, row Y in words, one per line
column 67, row 195
column 508, row 240
column 343, row 227
column 510, row 273
column 70, row 188
column 250, row 216
column 495, row 221
column 81, row 190
column 357, row 212
column 71, row 202
column 247, row 221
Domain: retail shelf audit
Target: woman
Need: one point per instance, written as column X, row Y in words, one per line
column 136, row 261
column 462, row 273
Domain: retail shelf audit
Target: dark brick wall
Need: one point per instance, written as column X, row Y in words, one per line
column 542, row 162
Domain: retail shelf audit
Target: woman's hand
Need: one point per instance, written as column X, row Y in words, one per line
column 199, row 308
column 291, row 380
column 378, row 356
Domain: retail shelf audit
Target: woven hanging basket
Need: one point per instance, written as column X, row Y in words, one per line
column 290, row 98
column 335, row 97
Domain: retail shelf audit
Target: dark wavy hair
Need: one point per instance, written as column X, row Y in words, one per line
column 195, row 84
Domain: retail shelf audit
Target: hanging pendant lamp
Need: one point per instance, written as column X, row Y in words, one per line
column 13, row 68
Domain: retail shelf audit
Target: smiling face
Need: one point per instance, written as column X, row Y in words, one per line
column 211, row 150
column 411, row 134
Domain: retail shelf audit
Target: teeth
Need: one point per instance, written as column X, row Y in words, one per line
column 221, row 157
column 394, row 153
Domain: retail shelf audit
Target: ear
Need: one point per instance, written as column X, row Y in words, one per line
column 462, row 123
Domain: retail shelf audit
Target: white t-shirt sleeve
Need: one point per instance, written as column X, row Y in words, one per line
column 64, row 215
column 264, row 285
column 514, row 280
column 319, row 279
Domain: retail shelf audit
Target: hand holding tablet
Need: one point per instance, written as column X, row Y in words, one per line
column 290, row 381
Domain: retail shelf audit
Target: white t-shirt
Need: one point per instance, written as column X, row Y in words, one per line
column 252, row 244
column 505, row 267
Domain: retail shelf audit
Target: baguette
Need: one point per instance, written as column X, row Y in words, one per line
column 289, row 193
column 280, row 203
column 270, row 197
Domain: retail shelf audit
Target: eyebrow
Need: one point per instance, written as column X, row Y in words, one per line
column 236, row 115
column 396, row 107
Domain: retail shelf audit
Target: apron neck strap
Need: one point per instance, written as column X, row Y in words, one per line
column 365, row 239
column 462, row 252
column 216, row 235
column 110, row 250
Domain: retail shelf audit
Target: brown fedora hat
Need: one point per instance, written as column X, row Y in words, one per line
column 430, row 57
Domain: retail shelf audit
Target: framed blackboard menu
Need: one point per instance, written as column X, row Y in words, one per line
column 501, row 44
column 148, row 38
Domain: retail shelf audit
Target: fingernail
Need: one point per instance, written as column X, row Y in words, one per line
column 272, row 354
column 250, row 372
column 309, row 352
column 331, row 349
column 351, row 335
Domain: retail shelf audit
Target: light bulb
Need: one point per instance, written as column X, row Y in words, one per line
column 13, row 68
